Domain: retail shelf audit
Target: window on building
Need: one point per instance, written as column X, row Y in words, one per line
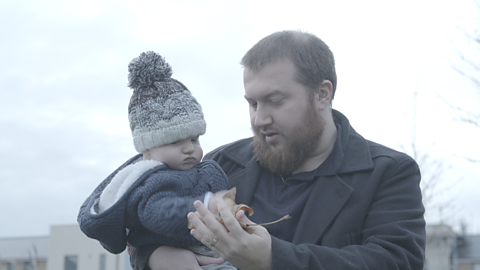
column 103, row 262
column 9, row 266
column 28, row 266
column 71, row 262
column 476, row 266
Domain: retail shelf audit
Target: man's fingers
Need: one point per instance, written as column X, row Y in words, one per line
column 230, row 221
column 210, row 220
column 200, row 229
column 206, row 233
column 240, row 216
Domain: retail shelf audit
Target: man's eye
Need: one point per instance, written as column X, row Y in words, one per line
column 276, row 101
column 253, row 105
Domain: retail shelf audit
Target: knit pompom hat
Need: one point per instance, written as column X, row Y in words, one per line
column 162, row 110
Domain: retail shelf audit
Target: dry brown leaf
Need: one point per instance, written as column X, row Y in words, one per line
column 229, row 199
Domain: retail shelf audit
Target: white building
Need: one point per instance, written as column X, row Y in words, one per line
column 441, row 241
column 447, row 250
column 24, row 253
column 66, row 248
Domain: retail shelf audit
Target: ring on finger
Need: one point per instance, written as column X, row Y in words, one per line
column 214, row 242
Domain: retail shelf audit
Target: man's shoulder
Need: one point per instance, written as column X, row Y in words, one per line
column 209, row 166
column 379, row 151
column 363, row 154
column 239, row 151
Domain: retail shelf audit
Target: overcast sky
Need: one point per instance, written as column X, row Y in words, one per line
column 63, row 93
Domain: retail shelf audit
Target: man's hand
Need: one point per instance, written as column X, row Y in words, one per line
column 214, row 200
column 243, row 250
column 171, row 258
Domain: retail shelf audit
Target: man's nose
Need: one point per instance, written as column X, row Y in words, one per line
column 262, row 117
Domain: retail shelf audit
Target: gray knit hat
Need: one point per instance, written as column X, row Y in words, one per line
column 162, row 110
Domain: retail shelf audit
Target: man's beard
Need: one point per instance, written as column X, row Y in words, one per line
column 297, row 148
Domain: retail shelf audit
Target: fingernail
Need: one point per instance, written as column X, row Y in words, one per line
column 196, row 204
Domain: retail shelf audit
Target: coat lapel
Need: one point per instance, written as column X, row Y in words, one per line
column 329, row 194
column 246, row 182
column 326, row 200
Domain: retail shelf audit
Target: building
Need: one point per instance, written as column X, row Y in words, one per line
column 66, row 248
column 468, row 257
column 29, row 253
column 447, row 250
column 439, row 248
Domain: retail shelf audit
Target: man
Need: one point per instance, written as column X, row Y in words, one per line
column 355, row 204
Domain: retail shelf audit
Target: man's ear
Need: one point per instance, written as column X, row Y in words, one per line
column 323, row 95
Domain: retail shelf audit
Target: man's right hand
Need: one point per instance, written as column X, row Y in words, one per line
column 171, row 258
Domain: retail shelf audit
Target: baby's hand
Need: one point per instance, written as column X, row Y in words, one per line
column 214, row 200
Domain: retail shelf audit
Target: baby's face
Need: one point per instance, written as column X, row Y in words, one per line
column 180, row 155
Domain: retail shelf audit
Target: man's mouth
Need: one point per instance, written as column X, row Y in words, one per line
column 270, row 136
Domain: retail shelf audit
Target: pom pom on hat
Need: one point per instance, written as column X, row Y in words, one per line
column 162, row 110
column 146, row 69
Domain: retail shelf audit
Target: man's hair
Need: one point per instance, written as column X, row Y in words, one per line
column 311, row 56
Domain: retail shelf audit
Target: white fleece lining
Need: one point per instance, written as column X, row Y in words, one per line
column 206, row 199
column 122, row 181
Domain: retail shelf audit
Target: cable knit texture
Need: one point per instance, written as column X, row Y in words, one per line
column 153, row 210
column 162, row 110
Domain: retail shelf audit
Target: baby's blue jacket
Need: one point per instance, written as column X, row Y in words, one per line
column 154, row 208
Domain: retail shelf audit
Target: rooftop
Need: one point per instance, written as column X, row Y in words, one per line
column 23, row 248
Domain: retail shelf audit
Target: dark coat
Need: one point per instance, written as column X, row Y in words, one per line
column 367, row 216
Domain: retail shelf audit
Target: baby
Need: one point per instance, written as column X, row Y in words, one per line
column 147, row 199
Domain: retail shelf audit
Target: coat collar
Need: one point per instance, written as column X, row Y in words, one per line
column 355, row 147
column 246, row 180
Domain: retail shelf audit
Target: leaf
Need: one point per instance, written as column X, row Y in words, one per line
column 229, row 199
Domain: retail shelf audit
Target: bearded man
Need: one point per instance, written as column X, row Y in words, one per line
column 354, row 204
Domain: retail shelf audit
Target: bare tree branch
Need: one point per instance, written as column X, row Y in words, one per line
column 465, row 116
column 432, row 169
column 472, row 78
column 472, row 61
